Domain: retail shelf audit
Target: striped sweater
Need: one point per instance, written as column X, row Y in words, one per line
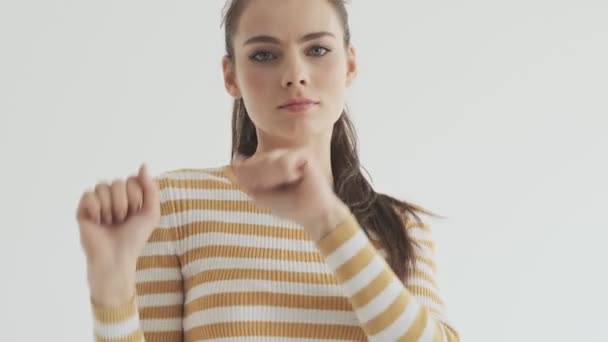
column 219, row 268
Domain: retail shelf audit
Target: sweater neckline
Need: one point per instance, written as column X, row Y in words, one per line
column 229, row 174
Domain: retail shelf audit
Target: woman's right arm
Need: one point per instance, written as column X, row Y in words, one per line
column 133, row 268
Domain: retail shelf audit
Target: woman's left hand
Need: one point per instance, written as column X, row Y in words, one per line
column 290, row 183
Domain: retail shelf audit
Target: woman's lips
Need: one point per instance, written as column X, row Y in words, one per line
column 300, row 107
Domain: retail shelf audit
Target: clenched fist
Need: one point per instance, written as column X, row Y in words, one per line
column 115, row 223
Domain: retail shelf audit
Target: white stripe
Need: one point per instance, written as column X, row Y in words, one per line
column 347, row 250
column 425, row 268
column 190, row 216
column 203, row 194
column 429, row 331
column 269, row 339
column 382, row 252
column 243, row 240
column 430, row 304
column 116, row 330
column 163, row 299
column 444, row 334
column 206, row 264
column 167, row 221
column 239, row 286
column 160, row 325
column 421, row 235
column 158, row 274
column 194, row 174
column 424, row 251
column 233, row 314
column 427, row 301
column 161, row 248
column 416, row 281
column 377, row 305
column 365, row 276
column 400, row 325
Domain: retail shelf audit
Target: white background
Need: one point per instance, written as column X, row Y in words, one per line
column 491, row 113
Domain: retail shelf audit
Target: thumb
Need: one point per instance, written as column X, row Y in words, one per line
column 150, row 196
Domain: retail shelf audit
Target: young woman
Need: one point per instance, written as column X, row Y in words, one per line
column 288, row 242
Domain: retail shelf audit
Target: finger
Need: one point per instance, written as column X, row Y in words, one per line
column 88, row 208
column 134, row 195
column 102, row 191
column 150, row 190
column 258, row 171
column 120, row 204
column 283, row 170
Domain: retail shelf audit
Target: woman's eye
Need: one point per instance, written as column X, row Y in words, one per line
column 319, row 51
column 262, row 56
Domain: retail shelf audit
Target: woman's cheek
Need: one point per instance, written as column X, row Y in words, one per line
column 257, row 82
column 332, row 74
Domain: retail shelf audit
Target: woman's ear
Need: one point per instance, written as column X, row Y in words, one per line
column 351, row 65
column 230, row 78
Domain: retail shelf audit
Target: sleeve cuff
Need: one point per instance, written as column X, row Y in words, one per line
column 339, row 235
column 117, row 314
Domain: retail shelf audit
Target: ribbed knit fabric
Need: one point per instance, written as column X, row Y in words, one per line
column 219, row 268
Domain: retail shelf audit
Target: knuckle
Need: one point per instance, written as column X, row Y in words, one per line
column 117, row 183
column 101, row 187
column 133, row 185
column 121, row 211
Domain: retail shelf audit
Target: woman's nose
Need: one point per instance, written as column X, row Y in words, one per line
column 289, row 83
column 295, row 73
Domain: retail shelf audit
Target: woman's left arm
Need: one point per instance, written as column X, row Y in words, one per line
column 292, row 185
column 388, row 309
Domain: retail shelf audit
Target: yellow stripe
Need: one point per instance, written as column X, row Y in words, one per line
column 250, row 253
column 156, row 287
column 426, row 260
column 283, row 300
column 373, row 289
column 115, row 315
column 357, row 263
column 426, row 292
column 178, row 205
column 162, row 312
column 413, row 224
column 136, row 336
column 438, row 333
column 451, row 334
column 157, row 261
column 342, row 233
column 426, row 243
column 193, row 184
column 423, row 275
column 417, row 327
column 209, row 226
column 277, row 329
column 164, row 336
column 272, row 275
column 189, row 230
column 389, row 315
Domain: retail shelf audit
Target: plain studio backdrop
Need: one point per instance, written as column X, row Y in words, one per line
column 492, row 114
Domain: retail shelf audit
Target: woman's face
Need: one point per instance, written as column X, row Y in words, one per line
column 286, row 50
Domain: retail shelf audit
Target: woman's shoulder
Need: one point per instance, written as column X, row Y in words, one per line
column 174, row 182
column 194, row 176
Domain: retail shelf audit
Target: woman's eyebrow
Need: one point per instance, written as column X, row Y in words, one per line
column 273, row 40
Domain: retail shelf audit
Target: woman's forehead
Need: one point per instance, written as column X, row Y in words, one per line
column 287, row 19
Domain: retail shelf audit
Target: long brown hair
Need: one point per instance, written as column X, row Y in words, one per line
column 385, row 216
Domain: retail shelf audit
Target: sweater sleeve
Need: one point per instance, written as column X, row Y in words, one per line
column 388, row 309
column 155, row 312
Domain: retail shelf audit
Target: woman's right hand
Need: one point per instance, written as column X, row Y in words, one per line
column 115, row 222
